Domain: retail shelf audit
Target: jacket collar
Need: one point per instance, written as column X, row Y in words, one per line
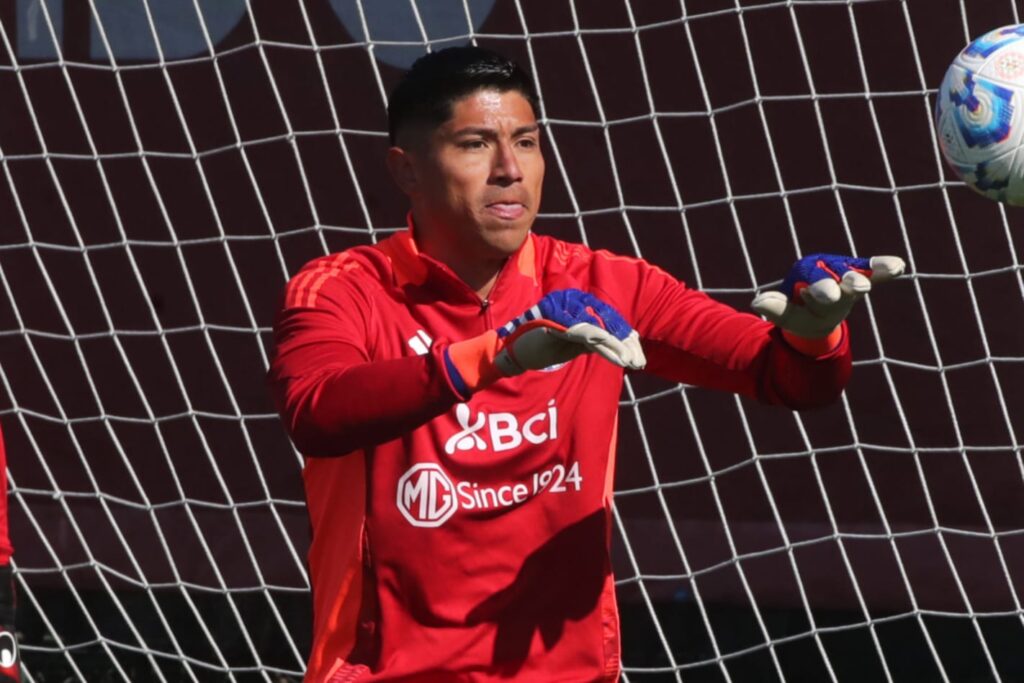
column 412, row 267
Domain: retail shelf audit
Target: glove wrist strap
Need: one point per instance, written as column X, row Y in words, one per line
column 470, row 364
column 815, row 347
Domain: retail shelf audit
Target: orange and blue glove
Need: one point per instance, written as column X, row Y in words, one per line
column 561, row 326
column 819, row 292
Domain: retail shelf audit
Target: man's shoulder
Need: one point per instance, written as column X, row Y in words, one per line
column 556, row 254
column 355, row 268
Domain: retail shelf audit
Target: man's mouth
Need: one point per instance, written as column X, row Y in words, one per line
column 506, row 210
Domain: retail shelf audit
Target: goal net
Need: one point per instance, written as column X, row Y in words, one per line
column 167, row 164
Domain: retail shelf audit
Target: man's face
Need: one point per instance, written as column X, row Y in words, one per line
column 479, row 175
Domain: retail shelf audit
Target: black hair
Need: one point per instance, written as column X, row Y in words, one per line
column 437, row 80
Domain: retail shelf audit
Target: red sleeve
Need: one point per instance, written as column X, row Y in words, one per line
column 689, row 337
column 6, row 550
column 333, row 398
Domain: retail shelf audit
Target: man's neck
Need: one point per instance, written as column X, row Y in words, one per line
column 478, row 273
column 479, row 276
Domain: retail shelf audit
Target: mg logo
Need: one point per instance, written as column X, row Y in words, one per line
column 426, row 496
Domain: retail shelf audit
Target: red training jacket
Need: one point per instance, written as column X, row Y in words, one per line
column 469, row 541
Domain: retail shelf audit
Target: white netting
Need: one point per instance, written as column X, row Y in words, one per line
column 168, row 164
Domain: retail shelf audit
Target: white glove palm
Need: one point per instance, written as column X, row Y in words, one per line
column 821, row 289
column 563, row 325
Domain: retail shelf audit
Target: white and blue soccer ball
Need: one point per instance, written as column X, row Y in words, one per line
column 979, row 114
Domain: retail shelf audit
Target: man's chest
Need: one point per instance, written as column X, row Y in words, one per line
column 541, row 435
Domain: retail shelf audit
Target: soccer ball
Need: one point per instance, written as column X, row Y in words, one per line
column 979, row 111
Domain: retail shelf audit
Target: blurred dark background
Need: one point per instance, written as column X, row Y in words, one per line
column 153, row 205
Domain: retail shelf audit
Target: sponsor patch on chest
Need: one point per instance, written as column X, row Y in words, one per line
column 427, row 496
column 501, row 431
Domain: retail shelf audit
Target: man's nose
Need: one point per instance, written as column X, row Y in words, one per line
column 506, row 166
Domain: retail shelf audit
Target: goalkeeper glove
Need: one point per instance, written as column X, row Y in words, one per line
column 561, row 326
column 819, row 293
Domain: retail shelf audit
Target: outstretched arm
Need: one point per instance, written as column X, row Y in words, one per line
column 690, row 338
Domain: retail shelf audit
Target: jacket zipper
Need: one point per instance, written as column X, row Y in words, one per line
column 485, row 310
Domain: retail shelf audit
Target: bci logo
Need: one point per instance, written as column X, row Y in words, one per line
column 501, row 431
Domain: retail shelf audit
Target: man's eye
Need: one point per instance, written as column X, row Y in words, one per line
column 527, row 142
column 472, row 144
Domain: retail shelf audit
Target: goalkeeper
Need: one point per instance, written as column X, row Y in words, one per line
column 455, row 389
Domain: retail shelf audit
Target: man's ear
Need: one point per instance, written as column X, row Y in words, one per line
column 403, row 170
